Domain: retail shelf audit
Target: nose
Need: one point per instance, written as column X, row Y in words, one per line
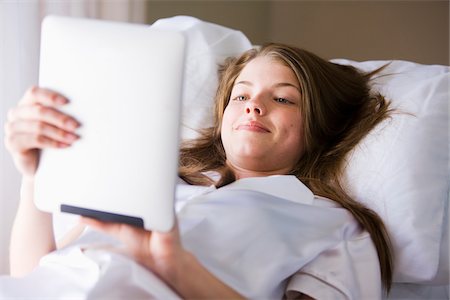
column 255, row 106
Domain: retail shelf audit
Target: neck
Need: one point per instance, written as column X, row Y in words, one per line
column 241, row 172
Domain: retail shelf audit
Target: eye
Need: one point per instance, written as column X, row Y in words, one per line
column 283, row 100
column 240, row 98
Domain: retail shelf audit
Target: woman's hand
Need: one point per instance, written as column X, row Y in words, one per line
column 163, row 254
column 36, row 123
column 160, row 252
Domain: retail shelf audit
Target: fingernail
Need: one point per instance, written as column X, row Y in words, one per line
column 61, row 100
column 72, row 124
column 58, row 99
column 70, row 137
column 62, row 145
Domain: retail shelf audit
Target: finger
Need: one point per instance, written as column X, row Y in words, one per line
column 134, row 237
column 43, row 96
column 40, row 128
column 92, row 222
column 113, row 228
column 107, row 227
column 106, row 247
column 42, row 113
column 24, row 142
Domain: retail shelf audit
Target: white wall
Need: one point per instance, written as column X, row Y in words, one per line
column 19, row 54
column 19, row 31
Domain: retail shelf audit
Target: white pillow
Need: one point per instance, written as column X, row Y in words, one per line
column 208, row 45
column 401, row 170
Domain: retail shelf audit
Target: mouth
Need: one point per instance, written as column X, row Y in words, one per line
column 253, row 126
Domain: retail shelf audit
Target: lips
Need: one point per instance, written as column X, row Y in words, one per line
column 253, row 126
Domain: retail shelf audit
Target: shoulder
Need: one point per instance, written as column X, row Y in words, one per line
column 347, row 270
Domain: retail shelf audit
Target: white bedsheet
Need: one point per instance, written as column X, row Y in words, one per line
column 242, row 233
column 95, row 273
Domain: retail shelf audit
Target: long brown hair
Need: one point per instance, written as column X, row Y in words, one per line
column 337, row 109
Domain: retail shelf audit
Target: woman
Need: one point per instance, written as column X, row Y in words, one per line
column 279, row 111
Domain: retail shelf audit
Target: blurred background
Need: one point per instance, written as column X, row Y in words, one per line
column 360, row 30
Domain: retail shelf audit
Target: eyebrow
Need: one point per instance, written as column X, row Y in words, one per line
column 280, row 84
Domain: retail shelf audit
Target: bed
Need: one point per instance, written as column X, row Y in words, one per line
column 400, row 170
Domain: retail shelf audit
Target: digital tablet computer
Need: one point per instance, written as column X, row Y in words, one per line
column 124, row 84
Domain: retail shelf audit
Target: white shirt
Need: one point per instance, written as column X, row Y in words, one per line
column 267, row 235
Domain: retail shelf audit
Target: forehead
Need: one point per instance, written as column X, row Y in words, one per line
column 268, row 69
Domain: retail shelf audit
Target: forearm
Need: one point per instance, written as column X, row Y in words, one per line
column 195, row 281
column 32, row 234
column 163, row 254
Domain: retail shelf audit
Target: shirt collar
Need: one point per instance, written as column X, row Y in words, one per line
column 281, row 186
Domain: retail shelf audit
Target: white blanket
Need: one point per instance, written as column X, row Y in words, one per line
column 243, row 233
column 94, row 273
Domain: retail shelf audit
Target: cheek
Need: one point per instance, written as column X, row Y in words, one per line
column 225, row 120
column 228, row 119
column 294, row 132
column 227, row 124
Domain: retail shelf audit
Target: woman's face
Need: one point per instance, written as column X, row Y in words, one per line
column 261, row 126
